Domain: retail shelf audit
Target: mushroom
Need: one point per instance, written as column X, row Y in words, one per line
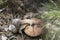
column 33, row 27
column 24, row 25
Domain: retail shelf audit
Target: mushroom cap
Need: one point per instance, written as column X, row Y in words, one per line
column 35, row 30
column 25, row 21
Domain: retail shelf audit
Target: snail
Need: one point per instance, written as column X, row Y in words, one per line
column 33, row 27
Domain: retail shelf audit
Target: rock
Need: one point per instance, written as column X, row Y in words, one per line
column 16, row 23
column 5, row 29
column 1, row 29
column 12, row 28
column 3, row 37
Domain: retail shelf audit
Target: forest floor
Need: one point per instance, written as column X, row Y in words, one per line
column 52, row 18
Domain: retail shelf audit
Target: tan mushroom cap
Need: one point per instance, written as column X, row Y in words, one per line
column 36, row 30
column 27, row 21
